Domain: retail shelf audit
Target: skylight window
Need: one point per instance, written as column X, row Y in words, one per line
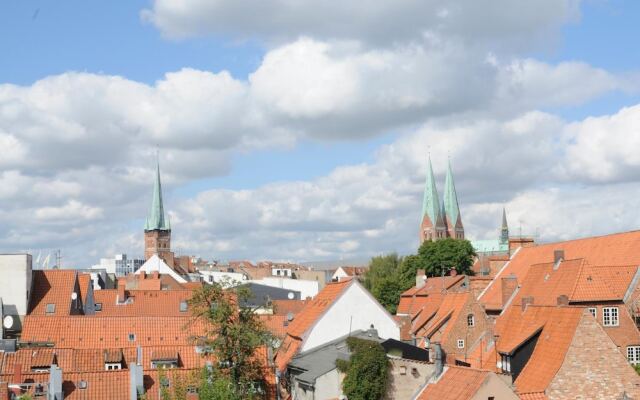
column 183, row 306
column 51, row 308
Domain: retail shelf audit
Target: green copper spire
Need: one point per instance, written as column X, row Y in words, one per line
column 156, row 219
column 431, row 202
column 504, row 233
column 450, row 198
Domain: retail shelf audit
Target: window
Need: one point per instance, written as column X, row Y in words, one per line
column 82, row 384
column 633, row 354
column 132, row 337
column 51, row 308
column 112, row 366
column 98, row 307
column 461, row 343
column 183, row 306
column 593, row 311
column 403, row 370
column 610, row 316
column 505, row 364
column 470, row 320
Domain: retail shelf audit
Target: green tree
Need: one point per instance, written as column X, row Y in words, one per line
column 439, row 257
column 215, row 386
column 366, row 371
column 387, row 291
column 381, row 268
column 235, row 336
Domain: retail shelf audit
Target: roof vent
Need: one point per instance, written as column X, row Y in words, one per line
column 558, row 256
column 289, row 316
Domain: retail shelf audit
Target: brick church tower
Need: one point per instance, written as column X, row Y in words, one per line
column 157, row 229
column 440, row 220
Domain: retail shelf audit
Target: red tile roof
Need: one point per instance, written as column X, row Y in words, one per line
column 52, row 287
column 276, row 324
column 143, row 303
column 557, row 327
column 456, row 383
column 110, row 332
column 284, row 307
column 614, row 249
column 436, row 284
column 449, row 310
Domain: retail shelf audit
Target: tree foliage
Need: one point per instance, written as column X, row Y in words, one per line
column 234, row 336
column 366, row 372
column 388, row 276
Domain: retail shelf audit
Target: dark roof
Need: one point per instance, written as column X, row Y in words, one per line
column 262, row 294
column 407, row 351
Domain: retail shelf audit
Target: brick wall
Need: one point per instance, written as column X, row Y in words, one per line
column 593, row 368
column 461, row 330
column 404, row 382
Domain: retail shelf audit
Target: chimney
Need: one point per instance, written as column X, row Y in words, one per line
column 136, row 383
column 17, row 374
column 55, row 383
column 421, row 279
column 438, row 360
column 558, row 255
column 509, row 285
column 526, row 301
column 155, row 275
column 122, row 296
column 453, row 272
column 563, row 300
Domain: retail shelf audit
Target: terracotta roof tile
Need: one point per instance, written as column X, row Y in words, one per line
column 160, row 303
column 110, row 332
column 614, row 249
column 533, row 396
column 436, row 284
column 284, row 307
column 449, row 310
column 557, row 326
column 276, row 324
column 52, row 287
column 456, row 383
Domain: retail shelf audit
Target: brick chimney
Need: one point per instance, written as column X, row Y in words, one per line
column 421, row 279
column 122, row 295
column 17, row 374
column 515, row 242
column 563, row 300
column 526, row 301
column 509, row 285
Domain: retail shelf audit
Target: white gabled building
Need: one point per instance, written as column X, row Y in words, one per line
column 339, row 309
column 154, row 264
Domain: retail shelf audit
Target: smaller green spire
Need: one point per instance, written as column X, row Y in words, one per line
column 504, row 233
column 156, row 219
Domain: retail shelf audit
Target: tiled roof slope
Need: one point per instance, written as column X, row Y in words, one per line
column 276, row 324
column 449, row 310
column 306, row 318
column 284, row 307
column 576, row 280
column 52, row 287
column 143, row 303
column 614, row 249
column 434, row 284
column 557, row 327
column 456, row 383
column 82, row 332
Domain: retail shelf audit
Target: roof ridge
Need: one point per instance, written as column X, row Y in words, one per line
column 578, row 279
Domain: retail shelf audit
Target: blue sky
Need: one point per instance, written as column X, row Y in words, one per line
column 304, row 138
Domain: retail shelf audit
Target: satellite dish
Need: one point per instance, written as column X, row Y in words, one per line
column 7, row 322
column 74, row 296
column 290, row 295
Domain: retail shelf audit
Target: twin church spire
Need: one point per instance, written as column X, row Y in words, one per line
column 440, row 220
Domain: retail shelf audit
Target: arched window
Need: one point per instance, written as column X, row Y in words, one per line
column 471, row 321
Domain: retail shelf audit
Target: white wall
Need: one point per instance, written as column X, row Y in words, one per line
column 230, row 278
column 15, row 282
column 327, row 386
column 306, row 288
column 339, row 275
column 357, row 309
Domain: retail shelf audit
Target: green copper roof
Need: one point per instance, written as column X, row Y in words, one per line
column 489, row 246
column 156, row 219
column 450, row 198
column 431, row 201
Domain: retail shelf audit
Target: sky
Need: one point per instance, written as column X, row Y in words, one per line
column 300, row 131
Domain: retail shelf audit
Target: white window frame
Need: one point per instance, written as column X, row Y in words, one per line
column 594, row 311
column 460, row 343
column 633, row 354
column 610, row 316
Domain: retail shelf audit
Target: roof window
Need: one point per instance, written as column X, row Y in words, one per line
column 82, row 384
column 183, row 306
column 98, row 306
column 132, row 337
column 51, row 308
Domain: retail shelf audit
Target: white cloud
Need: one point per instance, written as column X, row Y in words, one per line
column 514, row 22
